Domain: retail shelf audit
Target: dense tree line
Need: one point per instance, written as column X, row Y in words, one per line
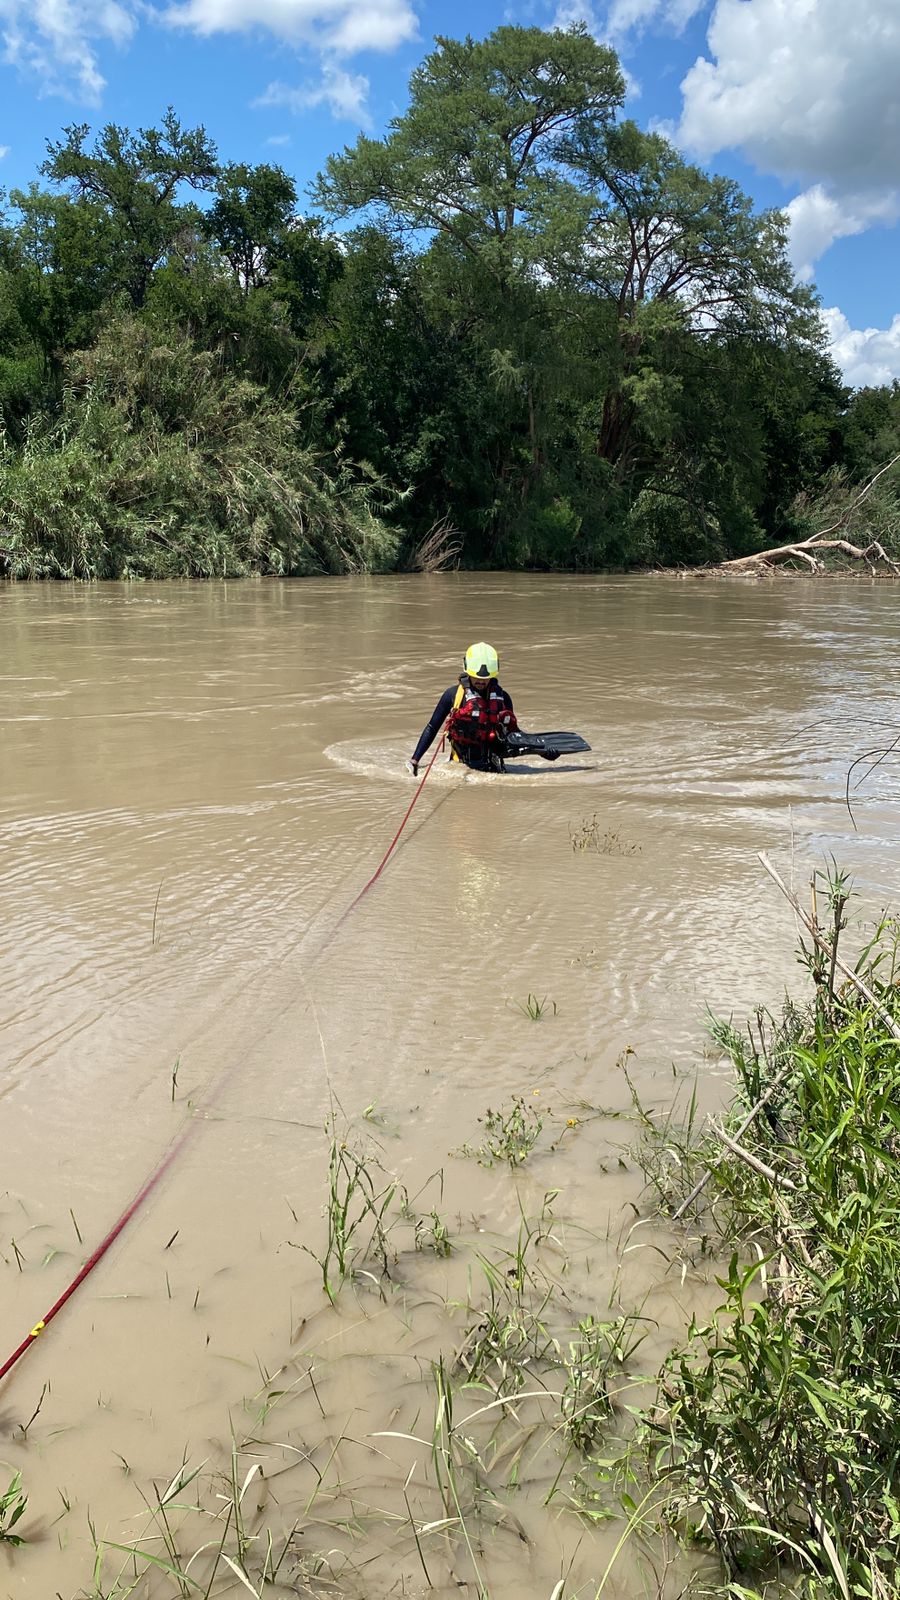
column 516, row 316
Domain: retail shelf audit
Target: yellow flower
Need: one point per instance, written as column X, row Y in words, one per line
column 572, row 1122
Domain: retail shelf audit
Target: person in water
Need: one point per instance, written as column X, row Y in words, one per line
column 478, row 712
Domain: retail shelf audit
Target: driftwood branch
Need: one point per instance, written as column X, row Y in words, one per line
column 805, row 549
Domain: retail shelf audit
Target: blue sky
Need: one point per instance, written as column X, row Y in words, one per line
column 796, row 99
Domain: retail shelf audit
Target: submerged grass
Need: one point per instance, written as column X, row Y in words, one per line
column 767, row 1446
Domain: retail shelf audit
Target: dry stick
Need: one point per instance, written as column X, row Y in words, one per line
column 842, row 519
column 751, row 1116
column 823, row 944
column 752, row 1161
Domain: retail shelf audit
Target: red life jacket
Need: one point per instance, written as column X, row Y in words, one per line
column 478, row 719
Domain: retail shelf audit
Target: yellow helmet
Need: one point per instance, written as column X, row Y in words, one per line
column 482, row 661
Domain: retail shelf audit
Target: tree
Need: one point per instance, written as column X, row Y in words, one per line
column 471, row 176
column 250, row 219
column 674, row 251
column 475, row 157
column 23, row 365
column 870, row 430
column 68, row 248
column 134, row 180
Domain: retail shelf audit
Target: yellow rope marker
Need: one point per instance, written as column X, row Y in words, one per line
column 38, row 1328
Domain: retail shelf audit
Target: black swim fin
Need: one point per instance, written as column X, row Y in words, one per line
column 548, row 745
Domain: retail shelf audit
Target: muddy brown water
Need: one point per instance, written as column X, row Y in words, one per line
column 196, row 782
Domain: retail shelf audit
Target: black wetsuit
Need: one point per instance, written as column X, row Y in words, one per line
column 470, row 754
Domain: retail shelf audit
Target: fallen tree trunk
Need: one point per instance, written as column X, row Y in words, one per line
column 807, row 549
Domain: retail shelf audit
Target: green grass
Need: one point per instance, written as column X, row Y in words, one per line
column 776, row 1431
column 535, row 1008
column 12, row 1508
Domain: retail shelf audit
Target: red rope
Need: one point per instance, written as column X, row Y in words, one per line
column 393, row 844
column 102, row 1247
column 179, row 1143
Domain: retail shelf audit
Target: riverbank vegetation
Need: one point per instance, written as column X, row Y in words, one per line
column 516, row 331
column 461, row 1404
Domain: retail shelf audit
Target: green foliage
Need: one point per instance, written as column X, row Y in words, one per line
column 163, row 465
column 476, row 156
column 547, row 331
column 132, row 182
column 776, row 1433
column 511, row 1134
column 870, row 429
column 12, row 1507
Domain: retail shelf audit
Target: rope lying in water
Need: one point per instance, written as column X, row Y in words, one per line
column 102, row 1247
column 393, row 844
column 181, row 1139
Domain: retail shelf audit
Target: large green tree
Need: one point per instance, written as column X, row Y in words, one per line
column 476, row 155
column 673, row 251
column 135, row 182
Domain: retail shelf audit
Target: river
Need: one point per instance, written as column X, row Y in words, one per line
column 196, row 782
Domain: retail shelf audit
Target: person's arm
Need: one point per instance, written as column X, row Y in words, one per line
column 434, row 725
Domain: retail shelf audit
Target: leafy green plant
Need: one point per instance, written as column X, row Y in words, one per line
column 599, row 1351
column 774, row 1436
column 432, row 1234
column 12, row 1509
column 509, row 1134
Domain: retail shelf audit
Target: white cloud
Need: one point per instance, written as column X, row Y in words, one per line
column 866, row 356
column 818, row 217
column 344, row 93
column 56, row 41
column 4, row 151
column 570, row 12
column 343, row 26
column 805, row 88
column 278, row 139
column 627, row 16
